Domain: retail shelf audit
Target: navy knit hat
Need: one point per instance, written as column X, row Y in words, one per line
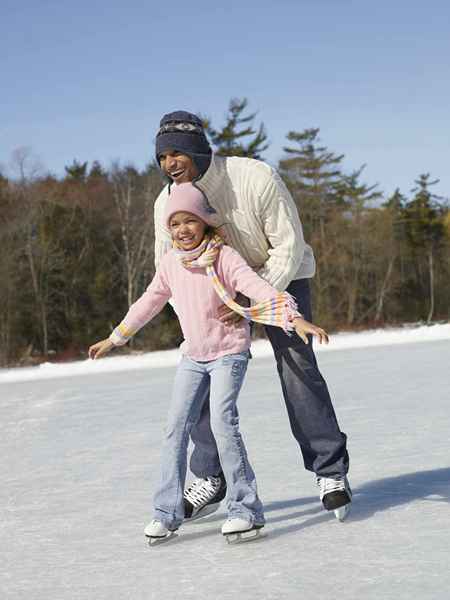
column 183, row 131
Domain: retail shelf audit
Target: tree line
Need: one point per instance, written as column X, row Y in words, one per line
column 77, row 250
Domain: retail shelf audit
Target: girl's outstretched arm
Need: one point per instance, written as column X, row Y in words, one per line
column 141, row 312
column 100, row 349
column 144, row 309
column 252, row 285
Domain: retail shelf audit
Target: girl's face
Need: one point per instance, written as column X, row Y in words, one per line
column 187, row 230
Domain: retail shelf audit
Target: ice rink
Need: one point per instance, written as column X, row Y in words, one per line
column 81, row 459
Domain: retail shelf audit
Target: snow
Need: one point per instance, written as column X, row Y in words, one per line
column 81, row 458
column 260, row 349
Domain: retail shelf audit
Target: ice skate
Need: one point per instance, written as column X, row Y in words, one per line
column 157, row 533
column 342, row 512
column 203, row 497
column 336, row 495
column 238, row 530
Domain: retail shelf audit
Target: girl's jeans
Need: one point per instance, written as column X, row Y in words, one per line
column 223, row 377
column 311, row 413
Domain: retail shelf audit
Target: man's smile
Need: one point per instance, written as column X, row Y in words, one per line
column 177, row 173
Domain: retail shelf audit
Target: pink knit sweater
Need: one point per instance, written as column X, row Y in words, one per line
column 196, row 302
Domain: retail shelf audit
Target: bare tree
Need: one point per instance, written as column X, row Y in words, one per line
column 134, row 195
column 42, row 256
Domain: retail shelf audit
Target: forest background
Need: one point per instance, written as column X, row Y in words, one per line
column 77, row 250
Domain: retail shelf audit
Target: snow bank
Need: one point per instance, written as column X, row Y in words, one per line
column 261, row 348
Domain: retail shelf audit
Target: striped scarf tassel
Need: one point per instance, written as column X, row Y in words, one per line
column 278, row 311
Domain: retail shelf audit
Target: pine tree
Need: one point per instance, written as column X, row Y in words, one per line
column 229, row 141
column 76, row 170
column 424, row 227
column 395, row 202
column 312, row 174
column 96, row 171
column 355, row 195
column 421, row 214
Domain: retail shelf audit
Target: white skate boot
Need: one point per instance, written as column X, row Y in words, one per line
column 203, row 497
column 238, row 530
column 157, row 532
column 336, row 495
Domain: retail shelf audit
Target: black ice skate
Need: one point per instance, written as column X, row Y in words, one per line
column 237, row 530
column 336, row 495
column 203, row 497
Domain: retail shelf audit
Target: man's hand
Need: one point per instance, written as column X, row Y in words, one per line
column 228, row 316
column 100, row 349
column 303, row 327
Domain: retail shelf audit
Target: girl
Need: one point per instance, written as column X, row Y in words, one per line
column 200, row 274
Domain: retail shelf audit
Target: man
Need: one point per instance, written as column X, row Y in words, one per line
column 260, row 220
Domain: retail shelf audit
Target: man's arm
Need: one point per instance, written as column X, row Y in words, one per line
column 284, row 232
column 163, row 241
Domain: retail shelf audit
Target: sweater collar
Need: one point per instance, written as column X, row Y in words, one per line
column 212, row 179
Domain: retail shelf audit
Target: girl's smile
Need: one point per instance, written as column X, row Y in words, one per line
column 187, row 230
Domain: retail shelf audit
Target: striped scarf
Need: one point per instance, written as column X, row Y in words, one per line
column 277, row 311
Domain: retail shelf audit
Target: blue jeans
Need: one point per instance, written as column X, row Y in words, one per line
column 222, row 379
column 310, row 410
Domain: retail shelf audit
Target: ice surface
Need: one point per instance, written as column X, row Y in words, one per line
column 260, row 348
column 81, row 459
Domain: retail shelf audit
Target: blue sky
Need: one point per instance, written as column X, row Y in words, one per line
column 90, row 80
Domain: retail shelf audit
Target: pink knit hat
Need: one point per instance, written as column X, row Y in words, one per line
column 187, row 198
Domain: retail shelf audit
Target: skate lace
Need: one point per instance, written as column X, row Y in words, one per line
column 193, row 486
column 202, row 490
column 327, row 485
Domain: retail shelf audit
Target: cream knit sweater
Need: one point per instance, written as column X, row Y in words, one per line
column 260, row 219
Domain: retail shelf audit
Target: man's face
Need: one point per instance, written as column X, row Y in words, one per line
column 178, row 166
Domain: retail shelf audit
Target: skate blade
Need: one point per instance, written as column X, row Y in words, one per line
column 205, row 512
column 241, row 537
column 156, row 541
column 341, row 513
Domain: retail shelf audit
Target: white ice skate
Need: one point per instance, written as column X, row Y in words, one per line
column 336, row 495
column 238, row 530
column 158, row 533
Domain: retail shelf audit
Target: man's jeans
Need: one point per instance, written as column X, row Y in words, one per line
column 310, row 410
column 223, row 379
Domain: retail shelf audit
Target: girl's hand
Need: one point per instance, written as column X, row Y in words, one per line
column 303, row 327
column 100, row 349
column 228, row 316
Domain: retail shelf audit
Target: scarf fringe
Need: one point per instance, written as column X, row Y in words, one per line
column 278, row 311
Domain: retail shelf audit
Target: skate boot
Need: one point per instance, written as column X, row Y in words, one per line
column 238, row 530
column 335, row 494
column 204, row 496
column 157, row 533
